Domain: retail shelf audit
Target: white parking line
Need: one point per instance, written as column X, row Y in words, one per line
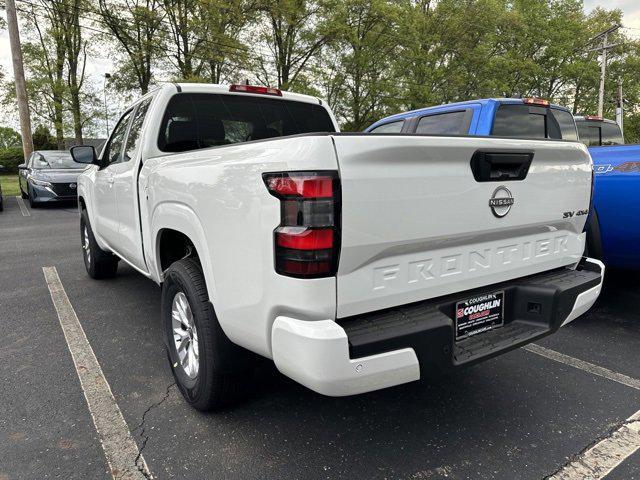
column 598, row 461
column 23, row 208
column 120, row 449
column 582, row 365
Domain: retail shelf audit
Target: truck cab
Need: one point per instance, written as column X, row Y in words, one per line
column 498, row 117
column 597, row 131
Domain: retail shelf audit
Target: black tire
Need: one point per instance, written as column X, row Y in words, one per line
column 1, row 204
column 99, row 264
column 32, row 202
column 23, row 195
column 225, row 370
column 594, row 240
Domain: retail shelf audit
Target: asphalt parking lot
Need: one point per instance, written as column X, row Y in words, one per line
column 519, row 416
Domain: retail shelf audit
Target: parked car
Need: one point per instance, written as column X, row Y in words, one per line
column 49, row 176
column 615, row 218
column 2, row 170
column 355, row 262
column 613, row 230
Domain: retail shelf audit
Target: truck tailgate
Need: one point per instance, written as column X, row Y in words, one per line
column 417, row 223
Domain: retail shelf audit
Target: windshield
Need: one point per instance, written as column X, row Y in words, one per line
column 54, row 160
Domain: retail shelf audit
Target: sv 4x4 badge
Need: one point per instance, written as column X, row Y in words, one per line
column 575, row 214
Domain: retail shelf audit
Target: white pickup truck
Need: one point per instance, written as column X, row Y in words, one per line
column 354, row 261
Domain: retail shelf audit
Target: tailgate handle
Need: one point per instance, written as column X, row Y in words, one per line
column 500, row 166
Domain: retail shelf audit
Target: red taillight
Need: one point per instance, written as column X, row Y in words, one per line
column 308, row 187
column 536, row 101
column 593, row 117
column 307, row 240
column 300, row 238
column 256, row 89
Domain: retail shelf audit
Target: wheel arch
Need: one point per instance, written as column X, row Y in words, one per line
column 176, row 226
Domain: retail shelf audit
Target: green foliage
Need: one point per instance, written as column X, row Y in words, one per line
column 367, row 58
column 10, row 158
column 632, row 128
column 42, row 139
column 9, row 138
column 10, row 185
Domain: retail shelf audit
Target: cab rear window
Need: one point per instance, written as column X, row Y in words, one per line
column 200, row 120
column 594, row 133
column 527, row 121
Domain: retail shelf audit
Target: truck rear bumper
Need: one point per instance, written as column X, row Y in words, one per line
column 390, row 347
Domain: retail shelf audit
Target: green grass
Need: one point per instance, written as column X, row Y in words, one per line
column 9, row 183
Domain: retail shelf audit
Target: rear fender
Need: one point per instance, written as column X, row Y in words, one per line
column 180, row 217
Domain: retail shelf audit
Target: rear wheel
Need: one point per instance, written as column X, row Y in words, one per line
column 99, row 264
column 210, row 371
column 594, row 240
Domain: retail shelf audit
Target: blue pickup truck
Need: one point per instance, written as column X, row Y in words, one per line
column 613, row 232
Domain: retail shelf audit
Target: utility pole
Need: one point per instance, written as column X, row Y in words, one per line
column 604, row 48
column 620, row 108
column 18, row 72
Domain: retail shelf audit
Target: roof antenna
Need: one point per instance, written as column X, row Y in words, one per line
column 246, row 82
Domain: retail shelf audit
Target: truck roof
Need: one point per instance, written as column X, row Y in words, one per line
column 224, row 89
column 584, row 118
column 449, row 106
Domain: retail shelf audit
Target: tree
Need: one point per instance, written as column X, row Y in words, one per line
column 45, row 62
column 295, row 31
column 43, row 140
column 75, row 48
column 137, row 27
column 362, row 87
column 220, row 23
column 187, row 40
column 9, row 138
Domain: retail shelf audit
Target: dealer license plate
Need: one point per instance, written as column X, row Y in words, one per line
column 479, row 314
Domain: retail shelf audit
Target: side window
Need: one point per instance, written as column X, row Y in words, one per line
column 113, row 150
column 134, row 139
column 450, row 123
column 563, row 123
column 392, row 127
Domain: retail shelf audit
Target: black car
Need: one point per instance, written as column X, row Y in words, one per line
column 49, row 176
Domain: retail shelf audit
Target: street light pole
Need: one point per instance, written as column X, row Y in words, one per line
column 106, row 108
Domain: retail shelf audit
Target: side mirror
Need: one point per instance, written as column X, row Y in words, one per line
column 84, row 154
column 22, row 166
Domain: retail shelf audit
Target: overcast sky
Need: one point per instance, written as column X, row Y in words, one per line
column 96, row 67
